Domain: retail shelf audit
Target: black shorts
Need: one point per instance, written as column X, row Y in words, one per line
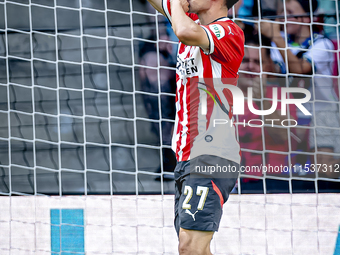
column 199, row 198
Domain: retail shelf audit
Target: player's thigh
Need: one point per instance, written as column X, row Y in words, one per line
column 194, row 241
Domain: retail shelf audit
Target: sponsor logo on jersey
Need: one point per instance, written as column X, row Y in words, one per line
column 186, row 67
column 230, row 32
column 218, row 30
column 208, row 138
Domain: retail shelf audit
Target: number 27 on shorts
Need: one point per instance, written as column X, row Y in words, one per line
column 201, row 191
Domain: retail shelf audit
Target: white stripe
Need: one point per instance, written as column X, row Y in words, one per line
column 211, row 41
column 175, row 136
column 203, row 96
column 166, row 10
column 216, row 69
column 184, row 124
column 223, row 19
column 199, row 63
column 202, row 119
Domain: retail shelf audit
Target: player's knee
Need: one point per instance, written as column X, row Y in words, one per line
column 183, row 249
column 189, row 250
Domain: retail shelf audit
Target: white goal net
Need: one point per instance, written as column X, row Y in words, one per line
column 87, row 106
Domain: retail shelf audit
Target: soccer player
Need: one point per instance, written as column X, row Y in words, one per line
column 210, row 52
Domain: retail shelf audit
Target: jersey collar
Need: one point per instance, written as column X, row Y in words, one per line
column 220, row 19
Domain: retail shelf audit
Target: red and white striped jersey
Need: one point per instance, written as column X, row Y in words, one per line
column 199, row 99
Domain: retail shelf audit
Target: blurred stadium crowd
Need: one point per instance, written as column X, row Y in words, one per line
column 87, row 99
column 306, row 30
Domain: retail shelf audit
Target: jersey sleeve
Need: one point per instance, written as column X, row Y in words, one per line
column 167, row 10
column 226, row 41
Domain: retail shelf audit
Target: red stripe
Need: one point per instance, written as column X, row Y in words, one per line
column 180, row 119
column 228, row 78
column 187, row 146
column 217, row 190
column 169, row 6
column 193, row 98
column 227, row 93
column 230, row 112
column 181, row 48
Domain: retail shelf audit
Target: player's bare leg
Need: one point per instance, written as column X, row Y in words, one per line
column 194, row 242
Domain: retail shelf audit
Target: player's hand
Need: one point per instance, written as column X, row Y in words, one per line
column 183, row 3
column 270, row 30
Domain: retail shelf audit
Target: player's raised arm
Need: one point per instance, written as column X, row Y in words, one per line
column 157, row 4
column 186, row 30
